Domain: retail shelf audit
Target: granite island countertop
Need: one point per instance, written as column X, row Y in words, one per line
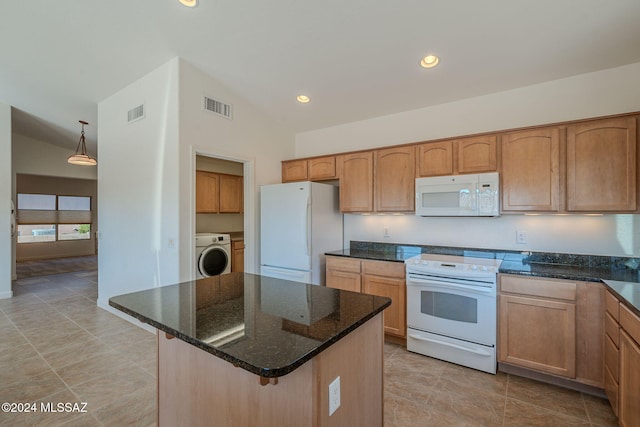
column 264, row 325
column 621, row 280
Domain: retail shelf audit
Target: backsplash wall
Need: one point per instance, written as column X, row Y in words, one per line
column 612, row 235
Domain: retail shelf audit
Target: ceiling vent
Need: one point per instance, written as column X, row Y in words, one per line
column 218, row 107
column 135, row 114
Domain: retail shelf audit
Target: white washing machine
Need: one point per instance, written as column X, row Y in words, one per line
column 213, row 254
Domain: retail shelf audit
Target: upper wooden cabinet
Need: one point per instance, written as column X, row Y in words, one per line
column 207, row 188
column 435, row 158
column 315, row 169
column 356, row 182
column 395, row 179
column 531, row 170
column 231, row 194
column 218, row 193
column 467, row 155
column 477, row 154
column 602, row 165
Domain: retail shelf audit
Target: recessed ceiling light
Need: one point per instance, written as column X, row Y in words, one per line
column 189, row 3
column 303, row 99
column 429, row 61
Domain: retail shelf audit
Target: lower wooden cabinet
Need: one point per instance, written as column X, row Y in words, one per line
column 382, row 278
column 343, row 273
column 629, row 369
column 237, row 255
column 386, row 279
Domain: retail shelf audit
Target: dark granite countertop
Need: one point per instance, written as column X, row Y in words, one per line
column 590, row 268
column 264, row 325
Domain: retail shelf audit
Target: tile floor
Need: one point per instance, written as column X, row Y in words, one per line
column 56, row 345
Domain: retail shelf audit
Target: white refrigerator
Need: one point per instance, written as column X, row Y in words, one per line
column 299, row 222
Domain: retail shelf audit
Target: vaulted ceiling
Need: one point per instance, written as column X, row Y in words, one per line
column 355, row 59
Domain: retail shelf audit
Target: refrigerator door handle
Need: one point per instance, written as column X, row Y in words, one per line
column 307, row 232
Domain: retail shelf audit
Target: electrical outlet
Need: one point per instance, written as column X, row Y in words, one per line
column 171, row 243
column 521, row 237
column 386, row 231
column 334, row 396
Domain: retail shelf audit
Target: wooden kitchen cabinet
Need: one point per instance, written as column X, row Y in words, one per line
column 611, row 350
column 237, row 255
column 295, row 170
column 590, row 307
column 356, row 182
column 466, row 155
column 387, row 279
column 530, row 170
column 435, row 158
column 218, row 193
column 602, row 166
column 395, row 179
column 207, row 189
column 314, row 169
column 382, row 278
column 477, row 154
column 537, row 324
column 629, row 374
column 231, row 194
column 343, row 273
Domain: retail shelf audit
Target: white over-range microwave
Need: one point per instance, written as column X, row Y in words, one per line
column 458, row 195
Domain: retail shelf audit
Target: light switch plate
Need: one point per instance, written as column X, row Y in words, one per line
column 334, row 395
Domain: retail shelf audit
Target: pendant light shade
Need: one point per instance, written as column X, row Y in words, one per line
column 80, row 157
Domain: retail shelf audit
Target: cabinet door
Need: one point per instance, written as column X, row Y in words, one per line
column 395, row 315
column 237, row 256
column 395, row 180
column 322, row 168
column 207, row 187
column 477, row 154
column 231, row 194
column 435, row 158
column 531, row 170
column 629, row 396
column 601, row 165
column 343, row 273
column 538, row 334
column 356, row 182
column 589, row 332
column 294, row 170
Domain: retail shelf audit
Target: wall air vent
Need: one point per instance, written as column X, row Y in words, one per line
column 218, row 107
column 135, row 114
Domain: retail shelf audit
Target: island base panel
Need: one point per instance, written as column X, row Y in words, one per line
column 197, row 388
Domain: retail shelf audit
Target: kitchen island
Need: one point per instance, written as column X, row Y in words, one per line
column 244, row 349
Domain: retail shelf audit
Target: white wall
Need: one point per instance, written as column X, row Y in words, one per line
column 607, row 92
column 6, row 179
column 138, row 186
column 34, row 157
column 146, row 180
column 250, row 137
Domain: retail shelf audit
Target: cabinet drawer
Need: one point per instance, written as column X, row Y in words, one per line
column 384, row 268
column 343, row 264
column 630, row 323
column 611, row 357
column 612, row 329
column 611, row 389
column 611, row 304
column 237, row 244
column 538, row 287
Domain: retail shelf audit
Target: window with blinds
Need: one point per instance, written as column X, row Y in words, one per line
column 51, row 217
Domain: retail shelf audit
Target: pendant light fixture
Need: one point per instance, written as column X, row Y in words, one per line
column 80, row 157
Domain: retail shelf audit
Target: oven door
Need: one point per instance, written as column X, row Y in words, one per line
column 455, row 310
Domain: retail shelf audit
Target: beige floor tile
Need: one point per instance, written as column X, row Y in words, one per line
column 105, row 390
column 14, row 351
column 133, row 410
column 599, row 410
column 32, row 386
column 92, row 368
column 23, row 370
column 475, row 379
column 555, row 399
column 521, row 414
column 73, row 351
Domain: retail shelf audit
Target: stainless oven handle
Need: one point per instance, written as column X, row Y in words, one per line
column 420, row 282
column 448, row 344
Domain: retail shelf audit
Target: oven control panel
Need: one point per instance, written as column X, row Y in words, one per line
column 452, row 266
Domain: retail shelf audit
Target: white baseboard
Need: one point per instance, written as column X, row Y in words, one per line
column 5, row 295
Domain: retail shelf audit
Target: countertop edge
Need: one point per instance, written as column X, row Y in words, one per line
column 257, row 370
